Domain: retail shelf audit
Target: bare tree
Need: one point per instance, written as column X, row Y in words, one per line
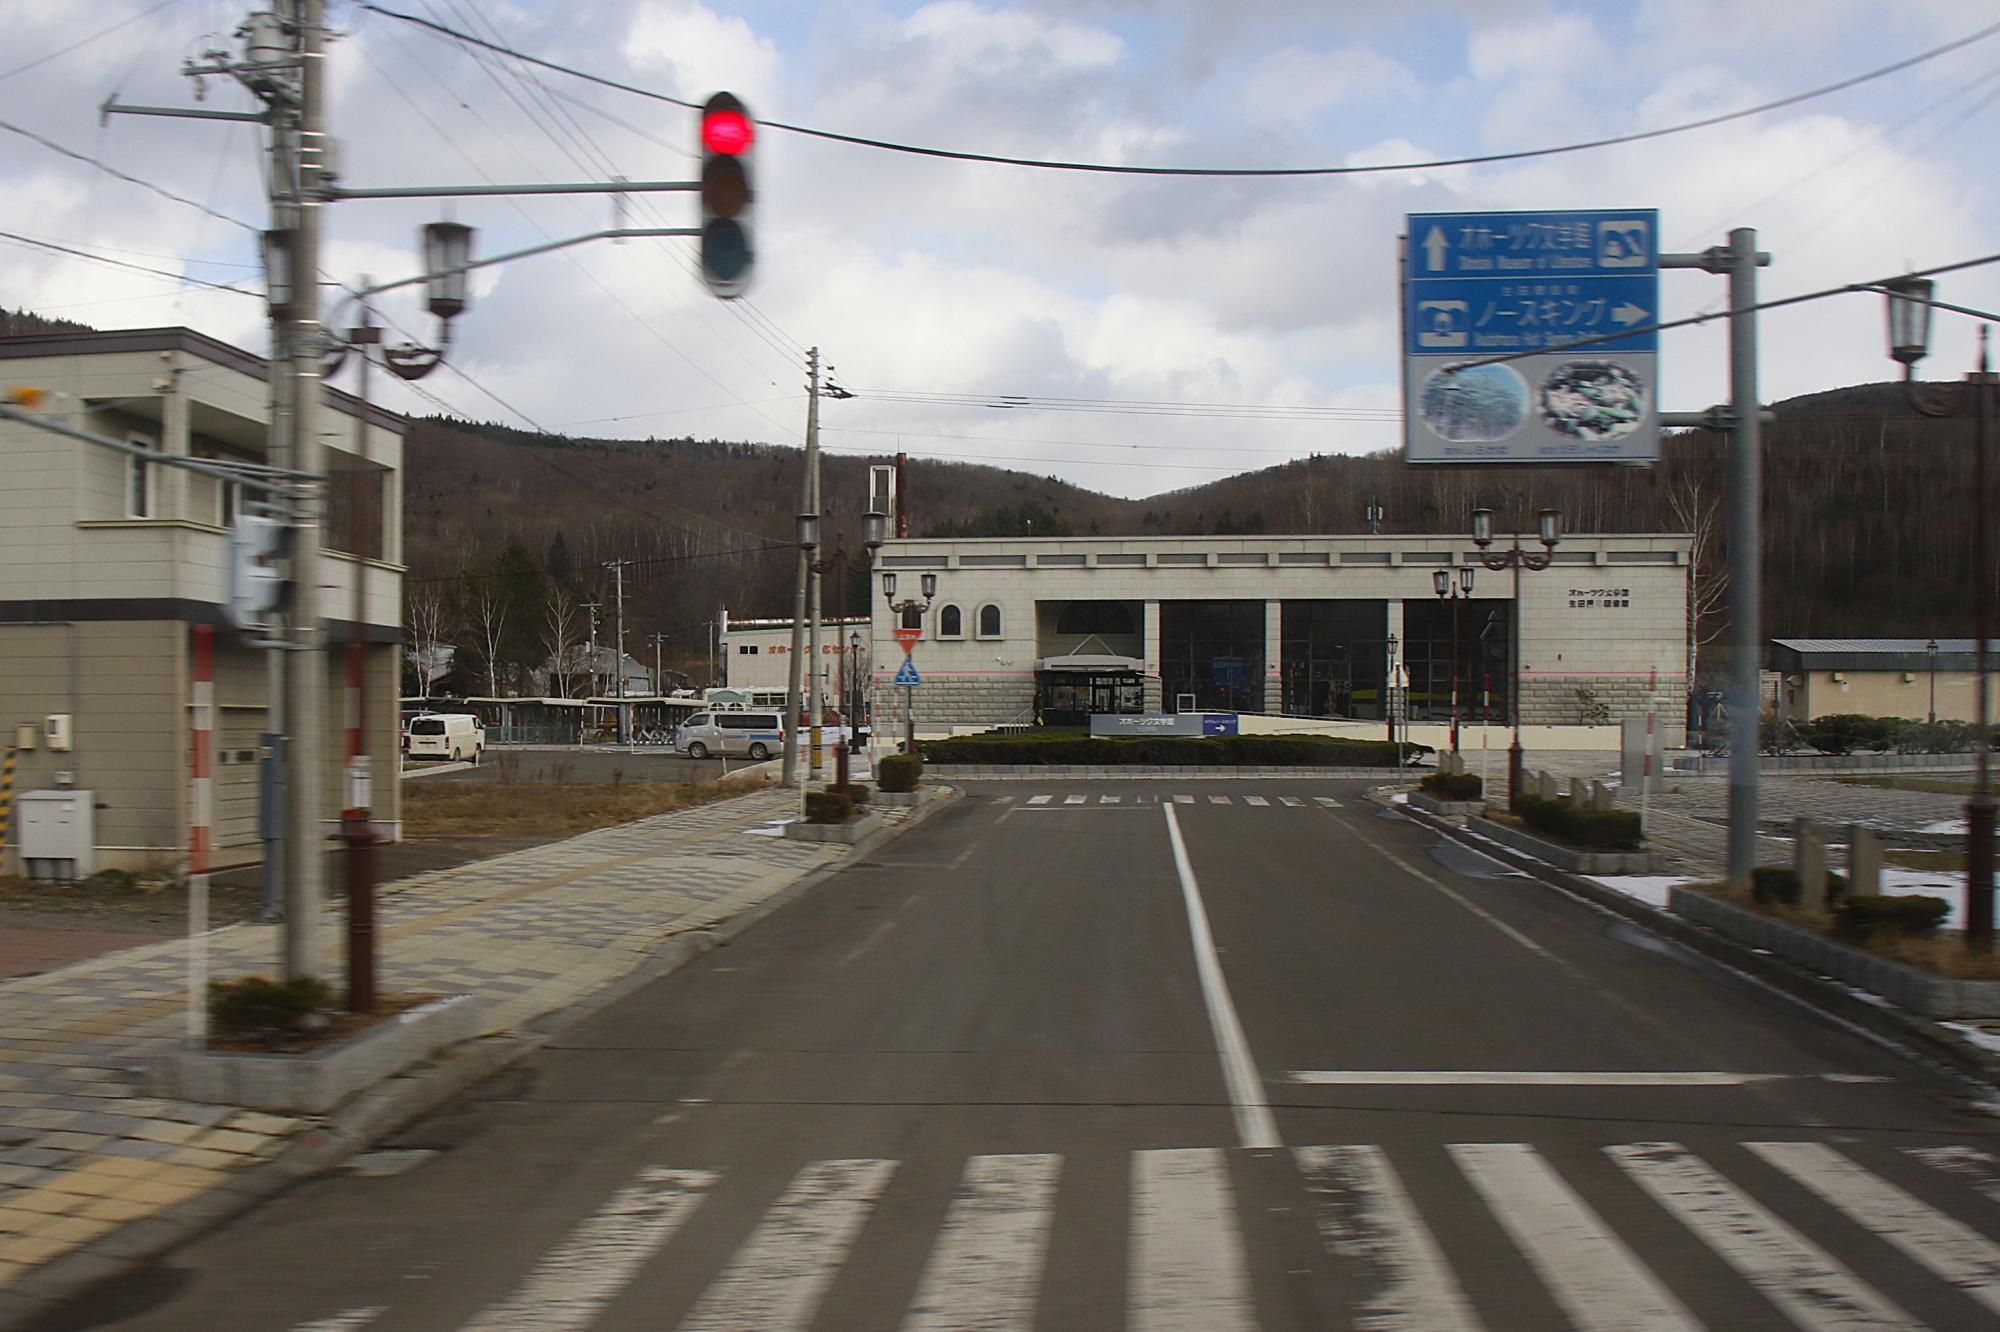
column 560, row 625
column 1692, row 506
column 428, row 613
column 486, row 604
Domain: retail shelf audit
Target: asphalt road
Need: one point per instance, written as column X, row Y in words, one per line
column 1203, row 1055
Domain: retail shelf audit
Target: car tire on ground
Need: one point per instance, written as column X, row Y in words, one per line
column 697, row 750
column 758, row 751
column 478, row 753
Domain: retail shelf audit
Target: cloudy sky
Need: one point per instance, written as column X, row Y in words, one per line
column 1196, row 326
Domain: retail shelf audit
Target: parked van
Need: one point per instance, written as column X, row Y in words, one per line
column 453, row 736
column 750, row 731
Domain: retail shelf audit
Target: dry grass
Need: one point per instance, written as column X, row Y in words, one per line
column 457, row 809
column 1942, row 954
column 1936, row 785
column 1937, row 861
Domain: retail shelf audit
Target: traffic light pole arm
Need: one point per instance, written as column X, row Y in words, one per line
column 254, row 475
column 336, row 193
column 616, row 233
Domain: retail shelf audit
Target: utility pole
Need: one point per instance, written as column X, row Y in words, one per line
column 659, row 676
column 814, row 689
column 794, row 680
column 356, row 816
column 591, row 659
column 617, row 568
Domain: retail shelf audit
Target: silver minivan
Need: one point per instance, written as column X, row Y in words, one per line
column 757, row 735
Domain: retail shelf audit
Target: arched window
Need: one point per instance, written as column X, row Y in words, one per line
column 951, row 622
column 989, row 621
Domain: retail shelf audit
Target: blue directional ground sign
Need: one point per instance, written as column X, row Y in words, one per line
column 906, row 675
column 1530, row 286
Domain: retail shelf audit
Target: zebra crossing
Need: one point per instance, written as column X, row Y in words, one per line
column 1072, row 799
column 1588, row 1245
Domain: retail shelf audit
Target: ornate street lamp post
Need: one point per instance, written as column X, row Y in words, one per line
column 1389, row 700
column 1910, row 304
column 1441, row 583
column 899, row 609
column 1516, row 559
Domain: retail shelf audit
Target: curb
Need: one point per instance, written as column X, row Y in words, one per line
column 1867, row 1016
column 390, row 1105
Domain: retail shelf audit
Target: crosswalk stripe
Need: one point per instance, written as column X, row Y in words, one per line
column 1188, row 1269
column 1107, row 800
column 1589, row 1271
column 1075, row 799
column 776, row 1279
column 1969, row 1162
column 1327, row 802
column 576, row 1279
column 1290, row 802
column 1218, row 800
column 1255, row 800
column 1948, row 1247
column 1365, row 1217
column 344, row 1322
column 1797, row 1275
column 983, row 1271
column 1183, row 800
column 1040, row 799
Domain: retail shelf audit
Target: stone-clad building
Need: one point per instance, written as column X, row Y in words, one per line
column 1057, row 628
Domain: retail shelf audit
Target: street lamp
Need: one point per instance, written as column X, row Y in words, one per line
column 1909, row 310
column 899, row 609
column 1930, row 651
column 1550, row 531
column 1441, row 583
column 1389, row 700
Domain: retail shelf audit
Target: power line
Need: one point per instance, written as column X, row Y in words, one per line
column 1111, row 168
column 108, row 169
column 19, row 239
column 80, row 43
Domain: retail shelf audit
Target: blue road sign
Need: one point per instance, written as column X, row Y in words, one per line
column 1527, row 286
column 906, row 675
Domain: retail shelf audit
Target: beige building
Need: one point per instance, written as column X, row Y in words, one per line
column 108, row 562
column 1879, row 677
column 1058, row 628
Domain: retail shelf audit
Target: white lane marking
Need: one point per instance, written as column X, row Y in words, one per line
column 1255, row 800
column 1508, row 1077
column 1075, row 799
column 344, row 1322
column 1798, row 1276
column 1367, row 1219
column 776, row 1279
column 1969, row 1162
column 1327, row 802
column 1003, row 799
column 573, row 1282
column 1218, row 800
column 1290, row 802
column 1040, row 799
column 1589, row 1271
column 983, row 1272
column 1187, row 1272
column 1254, row 1123
column 1947, row 1246
column 1107, row 800
column 1471, row 906
column 1183, row 800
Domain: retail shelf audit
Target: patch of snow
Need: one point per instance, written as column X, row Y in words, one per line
column 771, row 827
column 1946, row 828
column 1648, row 888
column 1400, row 798
column 1979, row 1036
column 1948, row 884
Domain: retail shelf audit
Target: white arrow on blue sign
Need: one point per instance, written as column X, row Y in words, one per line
column 907, row 677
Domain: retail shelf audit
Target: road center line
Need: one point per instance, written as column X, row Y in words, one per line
column 1254, row 1123
column 1508, row 1077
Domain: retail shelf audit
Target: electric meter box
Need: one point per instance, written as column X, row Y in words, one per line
column 58, row 834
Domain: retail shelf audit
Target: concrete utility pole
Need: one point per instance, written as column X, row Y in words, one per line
column 794, row 679
column 591, row 659
column 813, row 686
column 617, row 568
column 659, row 675
column 305, row 662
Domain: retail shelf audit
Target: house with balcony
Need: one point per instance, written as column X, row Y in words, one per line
column 109, row 561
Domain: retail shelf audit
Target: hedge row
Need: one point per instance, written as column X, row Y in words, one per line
column 1598, row 829
column 1220, row 751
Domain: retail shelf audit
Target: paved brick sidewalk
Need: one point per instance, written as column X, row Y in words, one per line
column 83, row 1150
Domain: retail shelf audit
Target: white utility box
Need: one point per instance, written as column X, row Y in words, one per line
column 58, row 834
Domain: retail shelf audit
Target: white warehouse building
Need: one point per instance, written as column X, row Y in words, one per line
column 1055, row 629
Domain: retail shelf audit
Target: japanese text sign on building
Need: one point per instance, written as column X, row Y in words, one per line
column 1530, row 286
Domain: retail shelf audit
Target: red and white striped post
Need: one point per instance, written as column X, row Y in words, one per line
column 200, row 836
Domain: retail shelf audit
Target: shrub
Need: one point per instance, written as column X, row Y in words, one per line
column 1845, row 732
column 1598, row 829
column 1779, row 885
column 1944, row 737
column 857, row 792
column 1859, row 918
column 1453, row 786
column 898, row 773
column 833, row 806
column 259, row 1006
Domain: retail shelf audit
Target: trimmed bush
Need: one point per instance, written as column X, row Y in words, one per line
column 1778, row 885
column 829, row 806
column 1860, row 918
column 1073, row 748
column 1845, row 732
column 257, row 1006
column 898, row 773
column 857, row 792
column 1594, row 829
column 1453, row 786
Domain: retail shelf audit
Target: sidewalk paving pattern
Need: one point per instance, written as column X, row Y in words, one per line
column 83, row 1150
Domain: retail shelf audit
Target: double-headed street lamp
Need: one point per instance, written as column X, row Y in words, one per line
column 874, row 529
column 1441, row 582
column 899, row 609
column 1389, row 698
column 1516, row 559
column 1910, row 305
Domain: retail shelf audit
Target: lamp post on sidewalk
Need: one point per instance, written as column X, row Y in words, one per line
column 1930, row 650
column 1910, row 304
column 901, row 610
column 1516, row 559
column 1441, row 583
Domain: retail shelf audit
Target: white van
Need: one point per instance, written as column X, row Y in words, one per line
column 755, row 733
column 453, row 736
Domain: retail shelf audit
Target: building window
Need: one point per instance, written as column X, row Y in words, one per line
column 950, row 622
column 989, row 621
column 746, row 649
column 138, row 480
column 228, row 500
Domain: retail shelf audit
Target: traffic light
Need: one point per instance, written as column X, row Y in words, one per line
column 727, row 133
column 256, row 569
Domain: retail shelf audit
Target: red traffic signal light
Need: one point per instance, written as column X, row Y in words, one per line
column 727, row 133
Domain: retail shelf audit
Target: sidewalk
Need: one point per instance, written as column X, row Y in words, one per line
column 92, row 1171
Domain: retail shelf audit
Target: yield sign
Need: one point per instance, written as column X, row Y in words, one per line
column 909, row 638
